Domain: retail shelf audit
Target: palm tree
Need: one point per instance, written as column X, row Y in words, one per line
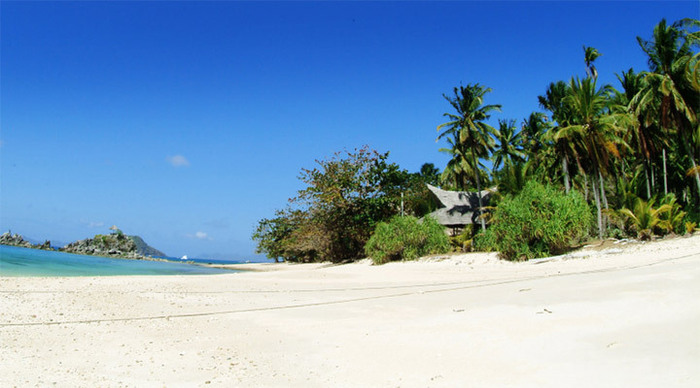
column 512, row 177
column 590, row 55
column 458, row 168
column 553, row 101
column 644, row 218
column 532, row 129
column 459, row 172
column 646, row 136
column 667, row 92
column 508, row 146
column 429, row 173
column 692, row 72
column 594, row 132
column 469, row 127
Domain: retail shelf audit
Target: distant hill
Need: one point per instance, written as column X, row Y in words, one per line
column 144, row 249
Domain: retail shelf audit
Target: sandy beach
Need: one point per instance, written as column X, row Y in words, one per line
column 625, row 314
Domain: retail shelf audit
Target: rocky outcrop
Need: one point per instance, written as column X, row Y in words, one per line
column 46, row 246
column 14, row 240
column 17, row 240
column 115, row 245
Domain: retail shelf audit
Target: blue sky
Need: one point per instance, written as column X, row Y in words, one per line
column 187, row 122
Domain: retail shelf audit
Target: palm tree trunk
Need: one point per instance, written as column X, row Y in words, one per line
column 697, row 176
column 565, row 168
column 602, row 190
column 596, row 195
column 646, row 175
column 604, row 197
column 653, row 179
column 478, row 190
column 688, row 150
column 585, row 184
column 665, row 175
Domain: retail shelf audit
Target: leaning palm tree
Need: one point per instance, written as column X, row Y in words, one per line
column 468, row 125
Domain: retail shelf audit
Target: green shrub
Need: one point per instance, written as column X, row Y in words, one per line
column 462, row 242
column 538, row 222
column 690, row 227
column 485, row 241
column 644, row 219
column 406, row 238
column 671, row 215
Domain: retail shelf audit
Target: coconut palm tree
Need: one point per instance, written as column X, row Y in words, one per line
column 532, row 129
column 429, row 173
column 692, row 72
column 553, row 101
column 667, row 93
column 460, row 172
column 644, row 218
column 595, row 133
column 646, row 137
column 469, row 126
column 590, row 54
column 458, row 169
column 508, row 144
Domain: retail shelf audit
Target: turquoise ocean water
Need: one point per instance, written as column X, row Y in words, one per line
column 16, row 261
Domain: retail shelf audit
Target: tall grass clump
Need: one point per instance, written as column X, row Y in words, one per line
column 538, row 222
column 406, row 238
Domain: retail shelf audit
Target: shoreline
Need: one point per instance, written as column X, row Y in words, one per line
column 595, row 248
column 626, row 315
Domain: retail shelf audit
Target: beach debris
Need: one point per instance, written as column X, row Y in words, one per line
column 458, row 310
column 544, row 311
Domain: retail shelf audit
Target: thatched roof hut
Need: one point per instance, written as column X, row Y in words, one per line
column 458, row 208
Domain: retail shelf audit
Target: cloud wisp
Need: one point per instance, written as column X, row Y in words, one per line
column 92, row 224
column 200, row 236
column 178, row 161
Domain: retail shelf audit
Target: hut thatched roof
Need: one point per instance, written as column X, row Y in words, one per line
column 458, row 207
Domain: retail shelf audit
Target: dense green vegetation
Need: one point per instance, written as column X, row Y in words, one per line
column 630, row 153
column 406, row 238
column 538, row 222
column 345, row 198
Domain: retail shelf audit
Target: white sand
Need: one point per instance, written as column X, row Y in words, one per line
column 612, row 318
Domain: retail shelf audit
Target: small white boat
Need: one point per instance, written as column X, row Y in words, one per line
column 183, row 257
